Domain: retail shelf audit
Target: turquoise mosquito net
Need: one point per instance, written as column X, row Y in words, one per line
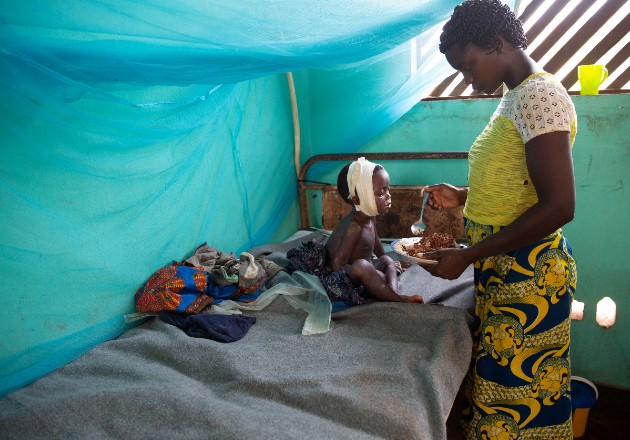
column 133, row 131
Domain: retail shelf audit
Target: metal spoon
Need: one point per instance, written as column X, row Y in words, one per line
column 418, row 227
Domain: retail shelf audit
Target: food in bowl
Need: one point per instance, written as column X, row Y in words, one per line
column 428, row 243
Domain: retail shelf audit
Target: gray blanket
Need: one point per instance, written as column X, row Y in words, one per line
column 385, row 370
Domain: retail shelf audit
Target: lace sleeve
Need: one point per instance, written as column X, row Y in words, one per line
column 541, row 107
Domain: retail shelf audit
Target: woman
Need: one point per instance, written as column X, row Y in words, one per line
column 521, row 192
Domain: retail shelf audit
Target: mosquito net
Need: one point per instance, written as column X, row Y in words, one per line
column 133, row 131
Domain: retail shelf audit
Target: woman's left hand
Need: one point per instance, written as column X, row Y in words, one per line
column 451, row 264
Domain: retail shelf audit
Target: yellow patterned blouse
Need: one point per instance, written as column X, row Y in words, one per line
column 500, row 188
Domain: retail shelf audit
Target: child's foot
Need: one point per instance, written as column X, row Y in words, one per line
column 415, row 299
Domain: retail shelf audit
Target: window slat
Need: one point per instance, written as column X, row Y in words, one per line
column 621, row 60
column 597, row 53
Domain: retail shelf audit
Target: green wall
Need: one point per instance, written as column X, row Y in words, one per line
column 599, row 232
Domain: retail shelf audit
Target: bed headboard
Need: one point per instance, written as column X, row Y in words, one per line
column 406, row 200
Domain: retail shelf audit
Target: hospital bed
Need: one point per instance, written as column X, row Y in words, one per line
column 382, row 370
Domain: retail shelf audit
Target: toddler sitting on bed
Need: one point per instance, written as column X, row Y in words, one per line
column 344, row 265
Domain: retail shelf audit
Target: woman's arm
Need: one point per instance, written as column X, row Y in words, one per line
column 550, row 168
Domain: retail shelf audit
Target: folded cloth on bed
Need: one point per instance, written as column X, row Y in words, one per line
column 177, row 288
column 221, row 266
column 225, row 269
column 221, row 328
column 208, row 276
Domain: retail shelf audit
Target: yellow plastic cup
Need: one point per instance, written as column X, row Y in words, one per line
column 591, row 76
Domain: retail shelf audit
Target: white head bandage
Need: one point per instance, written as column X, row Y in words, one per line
column 360, row 180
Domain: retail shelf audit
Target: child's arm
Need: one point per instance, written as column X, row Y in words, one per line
column 379, row 250
column 345, row 249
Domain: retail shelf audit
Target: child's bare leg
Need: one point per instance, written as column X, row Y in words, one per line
column 387, row 265
column 375, row 282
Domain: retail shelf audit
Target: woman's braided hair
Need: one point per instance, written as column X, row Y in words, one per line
column 480, row 22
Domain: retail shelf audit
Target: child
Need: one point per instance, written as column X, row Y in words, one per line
column 345, row 264
column 521, row 193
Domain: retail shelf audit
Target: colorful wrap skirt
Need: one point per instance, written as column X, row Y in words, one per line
column 518, row 385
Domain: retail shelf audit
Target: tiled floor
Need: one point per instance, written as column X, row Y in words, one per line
column 609, row 419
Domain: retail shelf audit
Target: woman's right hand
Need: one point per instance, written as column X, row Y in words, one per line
column 445, row 195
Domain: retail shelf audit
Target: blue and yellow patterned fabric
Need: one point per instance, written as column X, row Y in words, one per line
column 518, row 383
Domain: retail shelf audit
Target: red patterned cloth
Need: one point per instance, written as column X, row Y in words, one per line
column 174, row 288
